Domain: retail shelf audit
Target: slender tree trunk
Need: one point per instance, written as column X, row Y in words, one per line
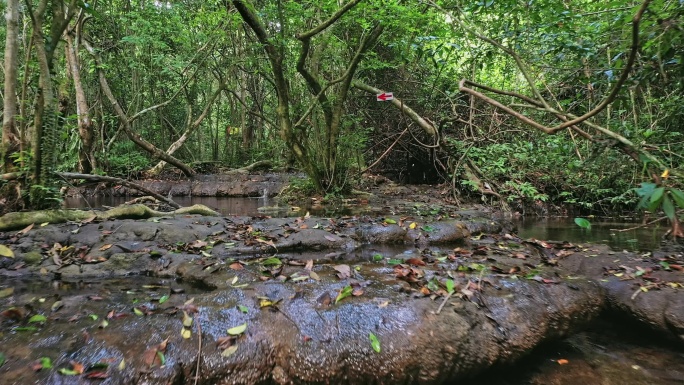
column 45, row 116
column 10, row 139
column 44, row 96
column 86, row 160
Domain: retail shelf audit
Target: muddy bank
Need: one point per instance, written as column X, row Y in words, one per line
column 459, row 295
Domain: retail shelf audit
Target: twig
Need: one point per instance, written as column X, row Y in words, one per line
column 79, row 193
column 199, row 348
column 640, row 226
column 439, row 309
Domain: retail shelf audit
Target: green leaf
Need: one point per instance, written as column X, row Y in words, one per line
column 375, row 343
column 390, row 221
column 394, row 261
column 678, row 197
column 6, row 252
column 229, row 351
column 6, row 292
column 428, row 228
column 450, row 285
column 668, row 207
column 377, row 257
column 2, row 359
column 272, row 261
column 162, row 358
column 68, row 372
column 237, row 330
column 93, row 317
column 243, row 308
column 25, row 329
column 646, row 189
column 138, row 311
column 37, row 318
column 163, row 299
column 45, row 362
column 344, row 293
column 653, row 206
column 583, row 223
column 657, row 194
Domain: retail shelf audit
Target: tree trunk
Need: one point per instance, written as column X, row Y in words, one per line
column 10, row 137
column 45, row 116
column 86, row 159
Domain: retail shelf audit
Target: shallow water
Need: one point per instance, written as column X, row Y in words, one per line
column 619, row 234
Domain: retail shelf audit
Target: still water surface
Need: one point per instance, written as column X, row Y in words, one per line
column 619, row 234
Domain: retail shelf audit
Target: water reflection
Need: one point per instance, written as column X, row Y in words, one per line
column 618, row 234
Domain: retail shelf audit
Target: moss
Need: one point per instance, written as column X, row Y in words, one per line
column 33, row 258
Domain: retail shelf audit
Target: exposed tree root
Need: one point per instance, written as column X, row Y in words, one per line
column 18, row 220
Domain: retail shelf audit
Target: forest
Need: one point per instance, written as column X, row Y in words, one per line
column 440, row 126
column 544, row 105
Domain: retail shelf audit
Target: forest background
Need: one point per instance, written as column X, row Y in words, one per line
column 567, row 104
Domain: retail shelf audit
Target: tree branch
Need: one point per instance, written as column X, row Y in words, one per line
column 419, row 120
column 327, row 23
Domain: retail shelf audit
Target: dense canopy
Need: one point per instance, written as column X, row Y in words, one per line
column 524, row 104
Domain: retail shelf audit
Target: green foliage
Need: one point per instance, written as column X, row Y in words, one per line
column 41, row 197
column 298, row 190
column 154, row 53
column 655, row 198
column 126, row 160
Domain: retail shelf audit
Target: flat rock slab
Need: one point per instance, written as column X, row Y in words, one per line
column 303, row 338
column 458, row 296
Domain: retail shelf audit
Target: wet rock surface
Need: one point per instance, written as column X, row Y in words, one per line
column 446, row 296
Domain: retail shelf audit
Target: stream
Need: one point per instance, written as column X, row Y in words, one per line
column 619, row 234
column 603, row 354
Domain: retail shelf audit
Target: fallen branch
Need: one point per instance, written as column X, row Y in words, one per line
column 101, row 178
column 640, row 226
column 251, row 167
column 17, row 220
